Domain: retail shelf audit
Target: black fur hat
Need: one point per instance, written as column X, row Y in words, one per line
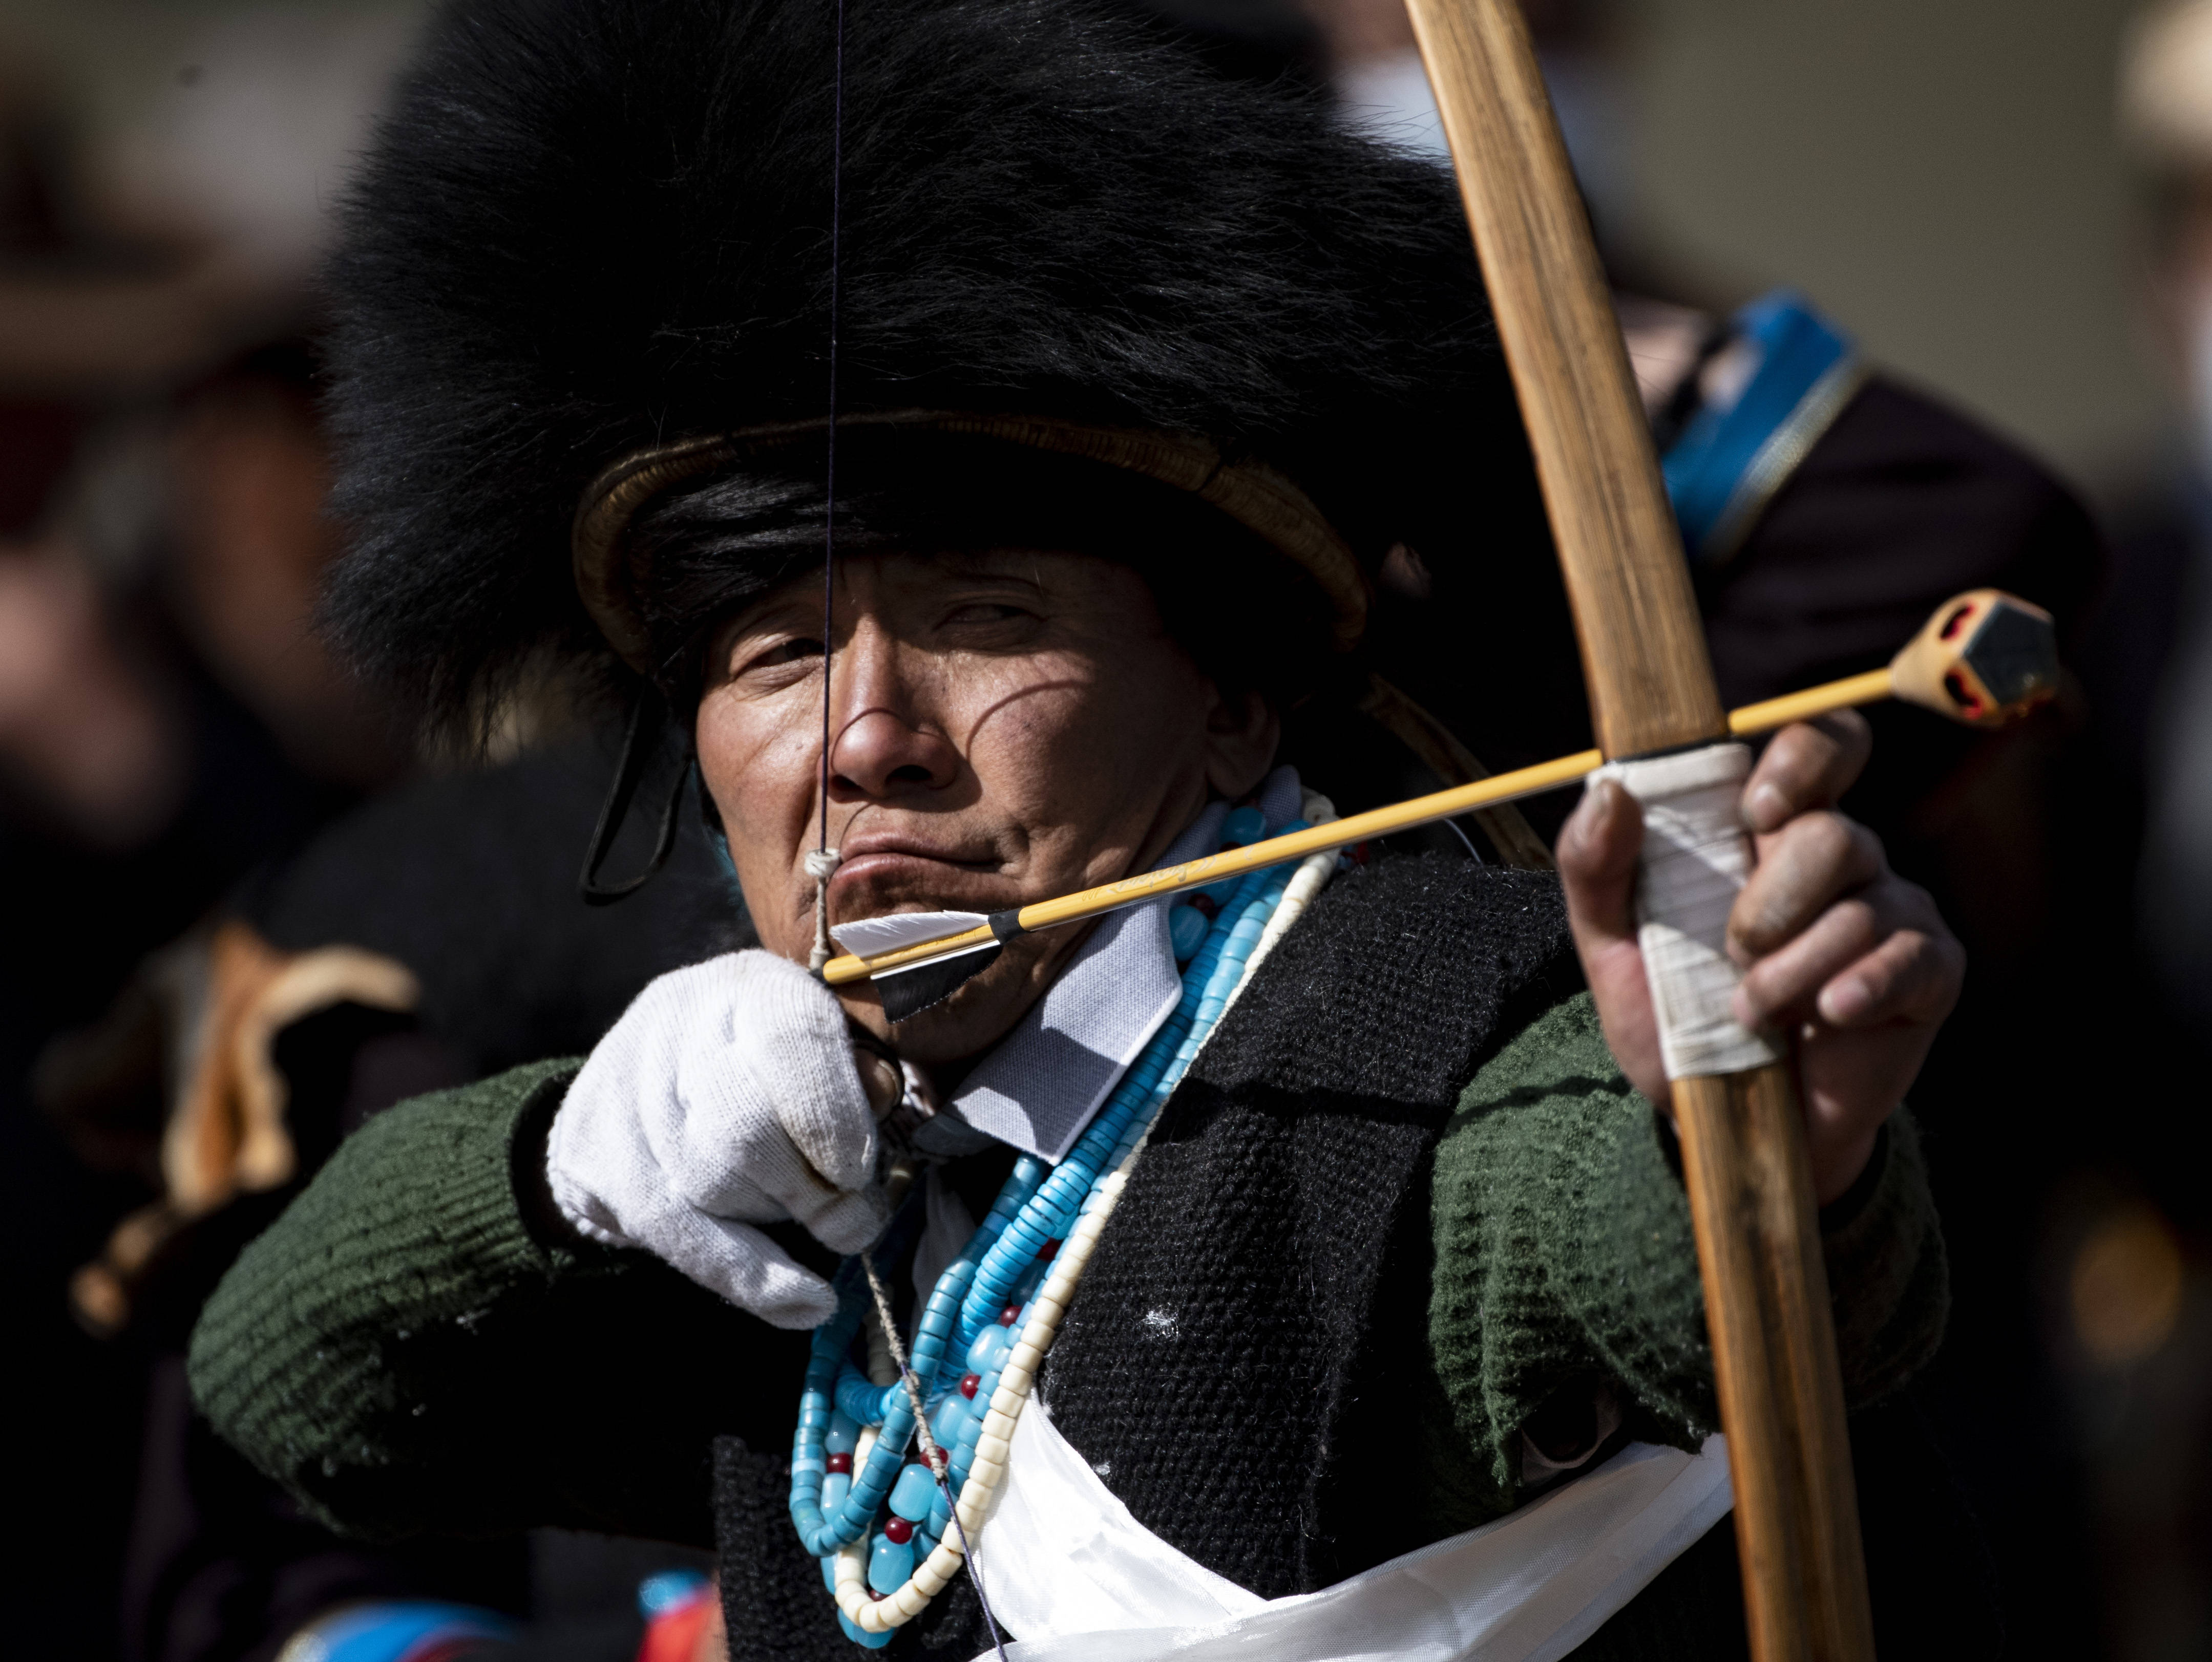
column 590, row 227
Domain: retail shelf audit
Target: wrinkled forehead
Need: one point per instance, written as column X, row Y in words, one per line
column 916, row 518
column 886, row 581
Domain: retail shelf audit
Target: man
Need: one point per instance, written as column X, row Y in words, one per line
column 2159, row 661
column 1142, row 379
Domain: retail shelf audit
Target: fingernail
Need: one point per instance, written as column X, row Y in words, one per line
column 1767, row 807
column 1842, row 1003
column 1604, row 799
column 1579, row 825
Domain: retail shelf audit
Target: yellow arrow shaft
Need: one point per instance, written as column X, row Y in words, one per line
column 1763, row 718
column 1341, row 833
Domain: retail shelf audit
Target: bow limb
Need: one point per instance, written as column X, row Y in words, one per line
column 1651, row 688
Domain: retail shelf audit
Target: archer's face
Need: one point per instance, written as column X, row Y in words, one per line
column 1004, row 727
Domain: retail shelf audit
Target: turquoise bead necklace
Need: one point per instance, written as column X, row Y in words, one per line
column 980, row 1301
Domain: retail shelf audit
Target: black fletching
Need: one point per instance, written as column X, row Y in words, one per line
column 907, row 991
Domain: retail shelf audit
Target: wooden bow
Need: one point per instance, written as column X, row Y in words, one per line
column 1651, row 688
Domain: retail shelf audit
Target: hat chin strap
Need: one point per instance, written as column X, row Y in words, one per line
column 643, row 733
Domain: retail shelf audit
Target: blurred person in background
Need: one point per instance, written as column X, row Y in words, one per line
column 168, row 720
column 2120, row 1269
column 2167, row 107
column 250, row 920
column 1827, row 505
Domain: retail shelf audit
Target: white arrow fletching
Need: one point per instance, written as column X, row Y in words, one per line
column 871, row 937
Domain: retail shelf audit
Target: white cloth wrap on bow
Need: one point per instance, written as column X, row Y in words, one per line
column 1073, row 1577
column 1696, row 857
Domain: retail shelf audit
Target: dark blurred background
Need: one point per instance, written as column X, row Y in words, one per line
column 246, row 912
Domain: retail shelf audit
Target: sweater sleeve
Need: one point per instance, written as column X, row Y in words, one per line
column 1564, row 1257
column 404, row 1353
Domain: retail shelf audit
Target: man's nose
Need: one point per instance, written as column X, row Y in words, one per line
column 886, row 744
column 881, row 751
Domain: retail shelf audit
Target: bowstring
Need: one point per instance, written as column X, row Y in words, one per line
column 829, row 488
column 939, row 1466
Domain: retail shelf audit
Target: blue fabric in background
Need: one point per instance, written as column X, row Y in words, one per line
column 396, row 1630
column 1710, row 471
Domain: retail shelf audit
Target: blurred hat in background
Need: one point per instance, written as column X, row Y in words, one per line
column 259, row 128
column 2165, row 84
column 158, row 243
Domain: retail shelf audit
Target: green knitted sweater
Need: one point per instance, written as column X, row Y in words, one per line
column 408, row 1348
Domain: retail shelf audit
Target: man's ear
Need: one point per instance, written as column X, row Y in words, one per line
column 1243, row 732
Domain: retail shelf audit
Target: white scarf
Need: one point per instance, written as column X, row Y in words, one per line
column 1073, row 1577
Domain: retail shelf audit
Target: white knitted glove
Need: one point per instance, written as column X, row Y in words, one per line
column 726, row 1096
